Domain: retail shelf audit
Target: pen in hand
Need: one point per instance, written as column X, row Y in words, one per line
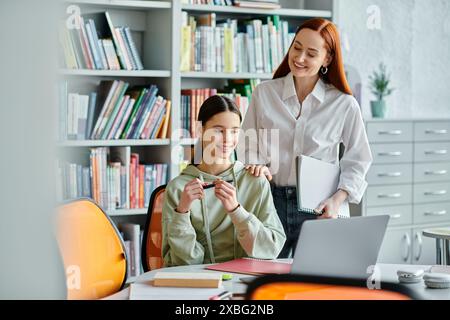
column 211, row 185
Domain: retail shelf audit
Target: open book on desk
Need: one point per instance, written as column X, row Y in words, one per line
column 317, row 181
column 252, row 266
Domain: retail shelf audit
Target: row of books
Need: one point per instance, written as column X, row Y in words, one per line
column 94, row 43
column 233, row 46
column 115, row 179
column 213, row 2
column 115, row 111
column 132, row 235
column 243, row 86
column 266, row 4
column 191, row 100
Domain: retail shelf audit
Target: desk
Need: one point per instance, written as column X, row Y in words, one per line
column 388, row 273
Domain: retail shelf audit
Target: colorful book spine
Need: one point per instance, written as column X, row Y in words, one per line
column 123, row 48
column 97, row 60
column 133, row 49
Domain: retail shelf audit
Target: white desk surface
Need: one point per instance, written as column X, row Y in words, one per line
column 388, row 273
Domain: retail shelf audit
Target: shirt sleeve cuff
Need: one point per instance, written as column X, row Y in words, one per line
column 355, row 189
column 181, row 218
column 239, row 215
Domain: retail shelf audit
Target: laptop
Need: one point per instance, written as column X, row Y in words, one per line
column 343, row 248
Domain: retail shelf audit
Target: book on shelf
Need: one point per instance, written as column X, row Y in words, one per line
column 114, row 111
column 98, row 44
column 192, row 99
column 243, row 86
column 231, row 45
column 226, row 2
column 114, row 178
column 132, row 232
column 257, row 4
column 127, row 245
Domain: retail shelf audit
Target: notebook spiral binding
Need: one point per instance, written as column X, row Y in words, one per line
column 313, row 212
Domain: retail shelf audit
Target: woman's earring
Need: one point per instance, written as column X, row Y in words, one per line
column 324, row 70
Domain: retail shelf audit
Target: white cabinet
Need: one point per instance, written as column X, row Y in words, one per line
column 410, row 181
column 407, row 245
column 396, row 247
column 423, row 248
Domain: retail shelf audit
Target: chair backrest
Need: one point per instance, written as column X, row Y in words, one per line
column 296, row 287
column 151, row 254
column 92, row 250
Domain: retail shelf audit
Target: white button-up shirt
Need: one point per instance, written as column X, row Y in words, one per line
column 315, row 128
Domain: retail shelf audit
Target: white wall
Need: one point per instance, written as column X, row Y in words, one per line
column 30, row 264
column 414, row 43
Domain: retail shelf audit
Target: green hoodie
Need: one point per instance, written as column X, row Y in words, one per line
column 207, row 234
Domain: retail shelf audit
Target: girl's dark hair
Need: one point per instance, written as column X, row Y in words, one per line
column 210, row 107
column 217, row 104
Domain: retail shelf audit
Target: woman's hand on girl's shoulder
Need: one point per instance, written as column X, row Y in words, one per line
column 259, row 170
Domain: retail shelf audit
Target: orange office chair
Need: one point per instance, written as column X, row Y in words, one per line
column 151, row 254
column 296, row 287
column 92, row 250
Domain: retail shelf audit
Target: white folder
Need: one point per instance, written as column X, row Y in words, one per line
column 317, row 180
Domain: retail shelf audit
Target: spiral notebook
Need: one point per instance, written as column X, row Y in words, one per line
column 316, row 181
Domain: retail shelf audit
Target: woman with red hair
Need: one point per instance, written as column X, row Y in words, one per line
column 310, row 102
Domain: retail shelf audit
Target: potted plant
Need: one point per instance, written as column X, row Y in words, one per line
column 379, row 84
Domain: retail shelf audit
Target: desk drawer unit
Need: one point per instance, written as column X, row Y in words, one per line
column 410, row 181
column 432, row 131
column 389, row 195
column 392, row 153
column 389, row 174
column 399, row 215
column 431, row 192
column 432, row 172
column 432, row 151
column 390, row 131
column 431, row 212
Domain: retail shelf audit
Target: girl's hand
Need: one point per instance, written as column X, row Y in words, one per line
column 330, row 207
column 226, row 193
column 258, row 170
column 192, row 190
